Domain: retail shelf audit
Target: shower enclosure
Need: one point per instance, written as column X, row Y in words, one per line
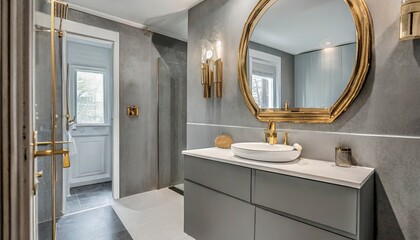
column 171, row 122
column 169, row 74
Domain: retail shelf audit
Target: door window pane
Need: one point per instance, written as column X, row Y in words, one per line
column 90, row 97
column 262, row 90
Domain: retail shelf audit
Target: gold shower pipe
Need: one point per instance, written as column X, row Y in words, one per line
column 53, row 124
column 58, row 9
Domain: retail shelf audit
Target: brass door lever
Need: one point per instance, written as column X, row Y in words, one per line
column 49, row 152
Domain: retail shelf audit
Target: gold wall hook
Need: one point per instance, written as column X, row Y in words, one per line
column 133, row 111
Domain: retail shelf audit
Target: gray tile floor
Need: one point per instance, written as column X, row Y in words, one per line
column 99, row 223
column 89, row 196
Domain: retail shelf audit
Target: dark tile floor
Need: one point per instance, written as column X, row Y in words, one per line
column 96, row 224
column 89, row 196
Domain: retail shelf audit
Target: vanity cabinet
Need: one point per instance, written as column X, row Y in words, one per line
column 327, row 204
column 212, row 215
column 227, row 197
column 271, row 226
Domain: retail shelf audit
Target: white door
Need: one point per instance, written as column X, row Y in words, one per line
column 90, row 98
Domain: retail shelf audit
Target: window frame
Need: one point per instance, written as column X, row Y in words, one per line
column 74, row 69
column 263, row 58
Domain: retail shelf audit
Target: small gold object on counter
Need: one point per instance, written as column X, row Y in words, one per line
column 223, row 141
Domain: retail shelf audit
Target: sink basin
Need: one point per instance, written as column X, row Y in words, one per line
column 265, row 152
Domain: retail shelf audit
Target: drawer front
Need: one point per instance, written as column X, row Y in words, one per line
column 232, row 180
column 210, row 215
column 331, row 205
column 270, row 226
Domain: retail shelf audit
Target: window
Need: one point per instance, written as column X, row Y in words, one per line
column 262, row 90
column 90, row 97
column 265, row 79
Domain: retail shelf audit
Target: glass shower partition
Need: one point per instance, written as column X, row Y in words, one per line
column 171, row 124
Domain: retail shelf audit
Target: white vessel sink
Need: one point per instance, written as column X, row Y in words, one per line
column 265, row 152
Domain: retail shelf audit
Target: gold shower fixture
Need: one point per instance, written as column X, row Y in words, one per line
column 60, row 12
column 58, row 9
column 61, row 9
column 410, row 20
column 212, row 69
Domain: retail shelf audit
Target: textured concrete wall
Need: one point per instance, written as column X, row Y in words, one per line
column 382, row 126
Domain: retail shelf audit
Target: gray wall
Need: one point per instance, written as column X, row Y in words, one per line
column 382, row 126
column 287, row 71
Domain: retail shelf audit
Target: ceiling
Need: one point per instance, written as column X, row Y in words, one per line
column 297, row 26
column 169, row 17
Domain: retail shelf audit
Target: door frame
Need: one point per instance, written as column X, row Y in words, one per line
column 80, row 29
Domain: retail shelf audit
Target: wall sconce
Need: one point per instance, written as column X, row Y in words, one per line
column 410, row 20
column 212, row 68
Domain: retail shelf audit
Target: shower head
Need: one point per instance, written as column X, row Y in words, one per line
column 60, row 9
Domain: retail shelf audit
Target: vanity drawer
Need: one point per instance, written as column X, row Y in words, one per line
column 210, row 215
column 271, row 226
column 327, row 204
column 227, row 178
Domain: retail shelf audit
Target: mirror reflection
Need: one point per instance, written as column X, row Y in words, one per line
column 302, row 54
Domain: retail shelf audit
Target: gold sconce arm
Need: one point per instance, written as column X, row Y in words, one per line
column 209, row 71
column 219, row 78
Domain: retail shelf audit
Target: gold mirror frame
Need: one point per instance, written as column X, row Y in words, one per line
column 363, row 24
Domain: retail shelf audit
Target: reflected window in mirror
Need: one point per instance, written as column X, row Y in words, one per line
column 265, row 81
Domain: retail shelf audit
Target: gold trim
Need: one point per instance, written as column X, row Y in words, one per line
column 363, row 24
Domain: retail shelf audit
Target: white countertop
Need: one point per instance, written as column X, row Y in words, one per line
column 317, row 170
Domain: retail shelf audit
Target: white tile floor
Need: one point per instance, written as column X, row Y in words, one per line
column 154, row 215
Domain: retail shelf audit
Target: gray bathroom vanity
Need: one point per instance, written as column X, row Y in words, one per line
column 230, row 198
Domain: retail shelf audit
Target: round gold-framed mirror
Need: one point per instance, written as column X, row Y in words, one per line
column 337, row 53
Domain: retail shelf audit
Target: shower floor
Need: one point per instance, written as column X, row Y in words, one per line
column 98, row 223
column 88, row 197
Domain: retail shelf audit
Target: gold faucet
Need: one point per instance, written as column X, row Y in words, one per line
column 271, row 133
column 285, row 138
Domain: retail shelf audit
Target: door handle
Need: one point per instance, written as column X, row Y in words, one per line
column 39, row 174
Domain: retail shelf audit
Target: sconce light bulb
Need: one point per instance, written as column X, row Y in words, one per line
column 209, row 54
column 219, row 49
